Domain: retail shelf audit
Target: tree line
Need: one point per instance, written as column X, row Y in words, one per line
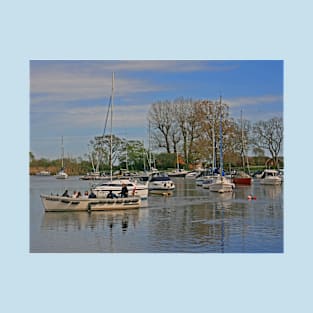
column 186, row 130
column 191, row 127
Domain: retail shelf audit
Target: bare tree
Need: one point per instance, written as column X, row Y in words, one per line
column 161, row 118
column 183, row 109
column 269, row 135
column 189, row 124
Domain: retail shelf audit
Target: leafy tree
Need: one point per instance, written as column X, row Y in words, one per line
column 133, row 154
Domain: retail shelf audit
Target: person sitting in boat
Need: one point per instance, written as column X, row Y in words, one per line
column 86, row 194
column 92, row 195
column 65, row 194
column 111, row 195
column 124, row 191
column 78, row 195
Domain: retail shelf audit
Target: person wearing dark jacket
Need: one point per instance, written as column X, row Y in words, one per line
column 124, row 191
column 92, row 195
column 65, row 194
column 111, row 195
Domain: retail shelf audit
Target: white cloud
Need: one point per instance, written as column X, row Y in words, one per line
column 66, row 81
column 264, row 99
column 84, row 117
column 63, row 87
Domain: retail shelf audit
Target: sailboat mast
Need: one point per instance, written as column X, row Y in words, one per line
column 221, row 139
column 213, row 139
column 242, row 142
column 245, row 160
column 111, row 126
column 62, row 153
column 150, row 156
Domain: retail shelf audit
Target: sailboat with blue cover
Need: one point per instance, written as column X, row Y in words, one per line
column 221, row 183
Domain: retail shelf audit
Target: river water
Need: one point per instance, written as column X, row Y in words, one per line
column 192, row 220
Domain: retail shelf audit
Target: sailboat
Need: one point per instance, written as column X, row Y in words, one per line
column 178, row 172
column 241, row 177
column 61, row 174
column 221, row 184
column 206, row 180
column 115, row 185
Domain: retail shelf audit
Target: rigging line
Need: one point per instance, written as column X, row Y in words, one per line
column 107, row 116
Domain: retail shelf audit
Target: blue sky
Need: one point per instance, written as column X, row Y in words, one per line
column 70, row 98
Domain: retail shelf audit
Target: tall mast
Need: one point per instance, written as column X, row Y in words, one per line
column 144, row 156
column 111, row 136
column 245, row 160
column 221, row 139
column 213, row 139
column 150, row 157
column 62, row 153
column 242, row 142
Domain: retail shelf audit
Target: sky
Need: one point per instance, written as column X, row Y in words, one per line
column 71, row 98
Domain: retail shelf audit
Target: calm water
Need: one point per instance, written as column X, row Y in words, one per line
column 191, row 220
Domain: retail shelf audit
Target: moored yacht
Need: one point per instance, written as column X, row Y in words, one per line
column 160, row 182
column 270, row 177
column 207, row 181
column 178, row 173
column 221, row 184
column 115, row 185
column 61, row 174
column 241, row 178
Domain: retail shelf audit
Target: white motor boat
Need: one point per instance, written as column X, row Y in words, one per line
column 160, row 182
column 134, row 188
column 270, row 177
column 55, row 203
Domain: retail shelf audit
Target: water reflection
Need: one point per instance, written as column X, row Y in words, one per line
column 76, row 221
column 272, row 192
column 193, row 220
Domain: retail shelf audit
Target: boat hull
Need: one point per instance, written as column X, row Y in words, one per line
column 161, row 186
column 208, row 182
column 221, row 188
column 270, row 177
column 66, row 204
column 271, row 181
column 61, row 175
column 160, row 182
column 178, row 174
column 242, row 180
column 221, row 185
